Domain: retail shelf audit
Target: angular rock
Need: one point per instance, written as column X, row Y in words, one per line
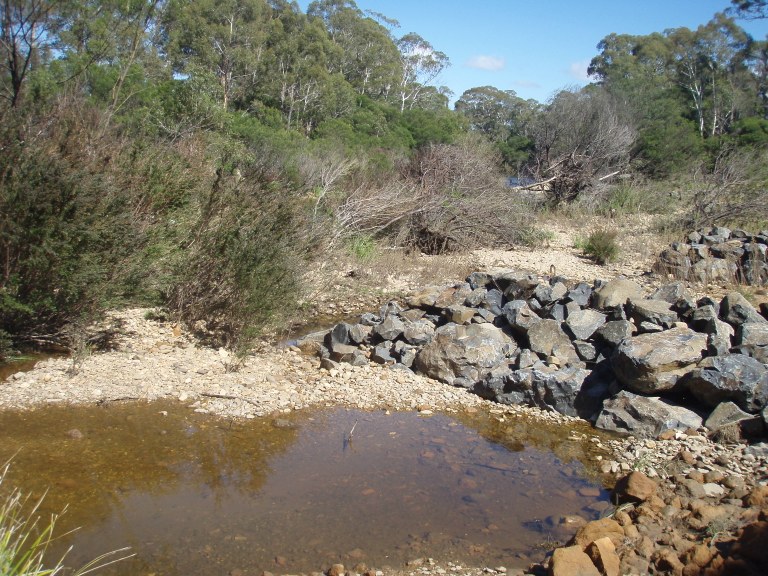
column 342, row 352
column 734, row 377
column 674, row 262
column 654, row 311
column 585, row 350
column 459, row 314
column 752, row 340
column 390, row 328
column 673, row 293
column 359, row 333
column 339, row 334
column 652, row 363
column 709, row 270
column 546, row 336
column 558, row 390
column 644, row 415
column 736, row 310
column 727, row 414
column 382, row 354
column 636, row 487
column 571, row 561
column 604, row 557
column 419, row 332
column 583, row 323
column 613, row 332
column 520, row 316
column 468, row 352
column 616, row 293
column 580, row 294
column 596, row 529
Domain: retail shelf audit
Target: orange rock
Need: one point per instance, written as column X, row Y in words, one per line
column 598, row 529
column 604, row 557
column 635, row 486
column 571, row 561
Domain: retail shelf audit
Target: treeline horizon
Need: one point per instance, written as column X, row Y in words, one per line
column 197, row 154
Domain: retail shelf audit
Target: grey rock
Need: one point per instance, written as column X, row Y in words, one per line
column 476, row 297
column 359, row 333
column 613, row 332
column 657, row 312
column 674, row 262
column 558, row 390
column 585, row 350
column 646, row 327
column 759, row 450
column 714, row 270
column 520, row 316
column 705, row 320
column 547, row 338
column 382, row 354
column 736, row 310
column 459, row 314
column 616, row 293
column 480, row 280
column 369, row 319
column 652, row 363
column 644, row 415
column 419, row 332
column 752, row 339
column 673, row 293
column 390, row 328
column 734, row 377
column 339, row 334
column 526, row 358
column 468, row 352
column 583, row 323
column 342, row 352
column 728, row 414
column 580, row 294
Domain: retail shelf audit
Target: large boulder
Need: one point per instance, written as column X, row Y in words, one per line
column 390, row 328
column 735, row 377
column 736, row 310
column 520, row 316
column 644, row 415
column 419, row 332
column 652, row 363
column 547, row 338
column 464, row 354
column 657, row 312
column 728, row 415
column 752, row 339
column 616, row 293
column 583, row 323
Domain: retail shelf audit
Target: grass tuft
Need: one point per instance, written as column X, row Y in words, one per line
column 601, row 245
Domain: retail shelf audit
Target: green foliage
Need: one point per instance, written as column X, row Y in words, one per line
column 363, row 248
column 601, row 245
column 751, row 132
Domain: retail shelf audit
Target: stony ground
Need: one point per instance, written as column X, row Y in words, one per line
column 704, row 487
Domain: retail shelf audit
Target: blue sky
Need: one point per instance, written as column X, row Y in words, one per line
column 535, row 47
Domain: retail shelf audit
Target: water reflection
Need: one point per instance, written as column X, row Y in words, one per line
column 197, row 495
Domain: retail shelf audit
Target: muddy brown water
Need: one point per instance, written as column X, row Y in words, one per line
column 196, row 495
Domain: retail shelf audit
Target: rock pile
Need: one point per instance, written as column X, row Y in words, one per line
column 604, row 352
column 718, row 254
column 657, row 529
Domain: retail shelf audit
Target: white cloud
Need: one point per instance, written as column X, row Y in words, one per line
column 486, row 63
column 578, row 70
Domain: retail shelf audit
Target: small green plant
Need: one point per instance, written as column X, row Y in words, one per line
column 362, row 247
column 24, row 541
column 601, row 245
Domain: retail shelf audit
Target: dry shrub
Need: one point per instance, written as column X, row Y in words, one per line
column 733, row 190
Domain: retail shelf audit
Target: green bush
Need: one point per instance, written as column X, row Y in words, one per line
column 600, row 245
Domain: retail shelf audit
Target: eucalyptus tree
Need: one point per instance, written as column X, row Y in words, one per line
column 503, row 117
column 421, row 65
column 750, row 9
column 368, row 57
column 224, row 40
column 26, row 28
